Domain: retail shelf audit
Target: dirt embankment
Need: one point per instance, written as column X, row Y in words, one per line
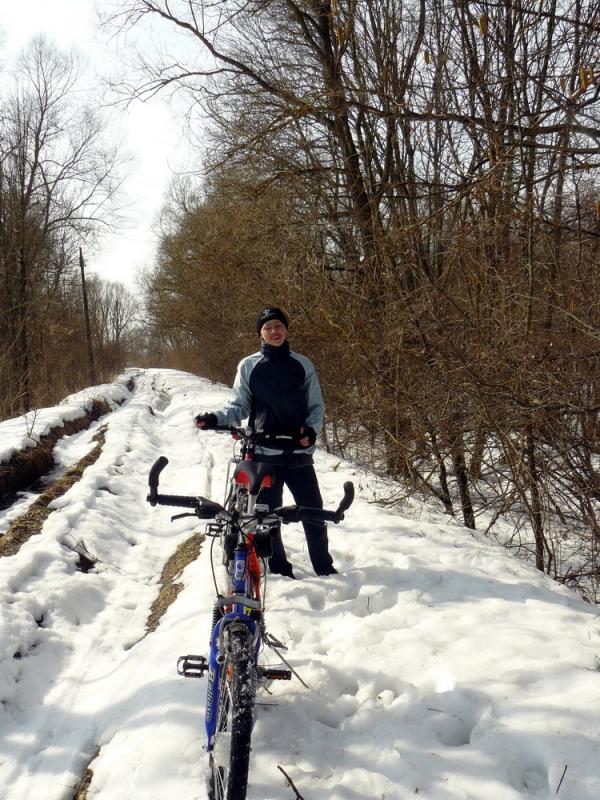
column 27, row 466
column 30, row 523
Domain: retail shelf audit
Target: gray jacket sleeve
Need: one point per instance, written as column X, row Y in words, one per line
column 240, row 405
column 314, row 395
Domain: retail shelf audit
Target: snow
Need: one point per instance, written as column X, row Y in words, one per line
column 438, row 666
column 26, row 431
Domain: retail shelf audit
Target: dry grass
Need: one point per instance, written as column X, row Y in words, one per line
column 30, row 523
column 81, row 790
column 187, row 552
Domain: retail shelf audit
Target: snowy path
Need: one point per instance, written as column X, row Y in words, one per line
column 438, row 666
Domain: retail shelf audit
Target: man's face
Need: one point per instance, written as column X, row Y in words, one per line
column 274, row 332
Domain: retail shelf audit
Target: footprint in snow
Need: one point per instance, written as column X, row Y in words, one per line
column 315, row 598
column 453, row 716
column 529, row 775
column 161, row 402
column 374, row 600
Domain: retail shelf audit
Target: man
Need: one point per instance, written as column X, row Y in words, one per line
column 279, row 392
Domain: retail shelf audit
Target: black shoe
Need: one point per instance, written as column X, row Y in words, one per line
column 286, row 572
column 329, row 571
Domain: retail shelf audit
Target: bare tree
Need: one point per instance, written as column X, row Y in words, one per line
column 115, row 318
column 57, row 179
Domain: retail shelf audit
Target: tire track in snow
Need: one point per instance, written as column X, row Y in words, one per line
column 86, row 630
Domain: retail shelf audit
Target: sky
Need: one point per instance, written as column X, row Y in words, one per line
column 436, row 665
column 151, row 132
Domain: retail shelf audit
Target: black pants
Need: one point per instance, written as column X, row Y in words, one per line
column 302, row 483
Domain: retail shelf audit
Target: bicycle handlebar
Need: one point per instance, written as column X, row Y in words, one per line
column 280, row 441
column 289, row 514
column 207, row 509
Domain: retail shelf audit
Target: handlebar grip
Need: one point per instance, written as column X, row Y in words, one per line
column 175, row 500
column 305, row 514
column 320, row 516
column 155, row 471
column 203, row 508
column 347, row 500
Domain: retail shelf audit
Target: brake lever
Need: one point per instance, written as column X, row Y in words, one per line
column 180, row 516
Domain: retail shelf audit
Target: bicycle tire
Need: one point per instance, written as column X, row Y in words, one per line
column 230, row 757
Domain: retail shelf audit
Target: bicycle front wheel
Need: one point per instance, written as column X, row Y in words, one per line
column 230, row 756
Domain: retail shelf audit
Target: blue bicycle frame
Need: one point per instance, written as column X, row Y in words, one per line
column 240, row 605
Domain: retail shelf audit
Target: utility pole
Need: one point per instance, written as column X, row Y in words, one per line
column 88, row 330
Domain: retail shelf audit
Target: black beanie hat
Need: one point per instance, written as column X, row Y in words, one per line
column 269, row 313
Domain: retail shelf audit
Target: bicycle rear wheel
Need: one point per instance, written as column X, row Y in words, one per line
column 230, row 756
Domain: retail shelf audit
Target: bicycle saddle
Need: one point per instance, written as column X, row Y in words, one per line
column 254, row 475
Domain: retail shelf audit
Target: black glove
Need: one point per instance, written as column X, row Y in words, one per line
column 308, row 433
column 209, row 421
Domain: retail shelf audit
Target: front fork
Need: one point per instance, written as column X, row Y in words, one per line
column 216, row 663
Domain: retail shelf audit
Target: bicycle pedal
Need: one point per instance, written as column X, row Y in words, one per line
column 192, row 666
column 275, row 673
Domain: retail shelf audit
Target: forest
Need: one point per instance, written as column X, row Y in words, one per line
column 414, row 181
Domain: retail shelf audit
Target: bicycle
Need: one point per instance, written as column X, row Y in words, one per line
column 238, row 631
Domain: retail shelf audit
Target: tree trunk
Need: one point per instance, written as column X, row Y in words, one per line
column 462, row 478
column 86, row 312
column 536, row 506
column 23, row 337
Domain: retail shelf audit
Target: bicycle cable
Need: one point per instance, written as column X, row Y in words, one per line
column 212, row 565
